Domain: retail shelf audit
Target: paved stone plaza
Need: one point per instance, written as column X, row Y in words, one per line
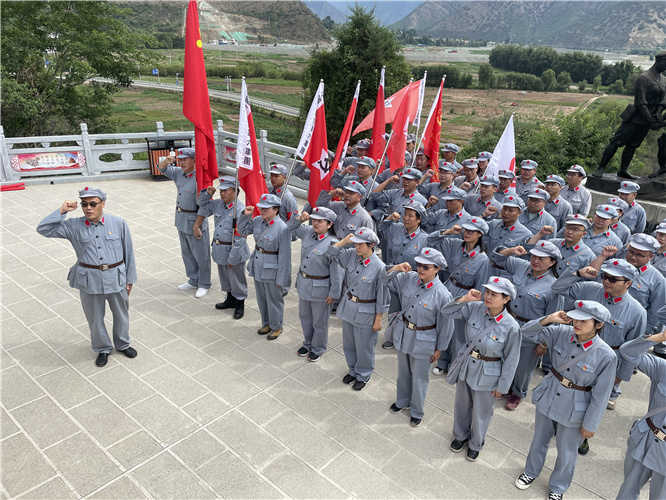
column 211, row 409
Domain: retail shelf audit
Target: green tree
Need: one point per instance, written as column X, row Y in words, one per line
column 548, row 79
column 616, row 87
column 485, row 76
column 582, row 86
column 596, row 83
column 363, row 47
column 50, row 50
column 564, row 81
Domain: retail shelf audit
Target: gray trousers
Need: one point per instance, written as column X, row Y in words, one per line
column 94, row 307
column 270, row 302
column 413, row 378
column 635, row 477
column 472, row 413
column 457, row 341
column 358, row 343
column 233, row 280
column 526, row 366
column 567, row 440
column 314, row 316
column 196, row 257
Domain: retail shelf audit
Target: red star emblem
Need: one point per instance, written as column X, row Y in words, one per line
column 86, row 188
column 496, row 280
column 580, row 304
column 615, row 263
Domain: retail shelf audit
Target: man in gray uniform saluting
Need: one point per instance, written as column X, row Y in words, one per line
column 105, row 269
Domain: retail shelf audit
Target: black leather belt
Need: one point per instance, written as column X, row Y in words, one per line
column 310, row 277
column 658, row 433
column 477, row 355
column 568, row 383
column 178, row 209
column 102, row 267
column 266, row 252
column 519, row 318
column 220, row 242
column 355, row 299
column 412, row 326
column 496, row 266
column 457, row 283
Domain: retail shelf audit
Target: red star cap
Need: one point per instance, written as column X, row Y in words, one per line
column 580, row 304
column 86, row 188
column 496, row 280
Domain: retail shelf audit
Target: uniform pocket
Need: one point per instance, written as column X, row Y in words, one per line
column 492, row 368
column 112, row 236
column 82, row 276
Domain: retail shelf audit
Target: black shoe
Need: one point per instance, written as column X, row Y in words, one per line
column 388, row 345
column 302, row 352
column 584, row 447
column 102, row 358
column 359, row 385
column 396, row 409
column 661, row 355
column 239, row 310
column 659, row 172
column 599, row 172
column 130, row 352
column 348, row 379
column 457, row 445
column 626, row 175
column 414, row 422
column 228, row 303
column 472, row 455
column 313, row 357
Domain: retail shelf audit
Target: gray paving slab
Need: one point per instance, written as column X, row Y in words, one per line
column 210, row 409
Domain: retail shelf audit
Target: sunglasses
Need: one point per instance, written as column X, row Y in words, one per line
column 612, row 279
column 92, row 204
column 424, row 266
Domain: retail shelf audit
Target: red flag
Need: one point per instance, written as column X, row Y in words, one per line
column 398, row 143
column 250, row 175
column 391, row 106
column 378, row 123
column 313, row 147
column 196, row 104
column 341, row 152
column 433, row 132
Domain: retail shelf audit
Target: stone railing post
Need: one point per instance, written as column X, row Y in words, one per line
column 91, row 162
column 7, row 173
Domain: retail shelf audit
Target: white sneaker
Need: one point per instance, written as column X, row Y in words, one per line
column 611, row 404
column 438, row 371
column 186, row 286
column 201, row 292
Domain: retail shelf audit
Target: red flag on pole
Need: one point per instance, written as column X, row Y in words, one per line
column 341, row 152
column 432, row 133
column 398, row 143
column 196, row 104
column 250, row 175
column 391, row 106
column 377, row 141
column 313, row 147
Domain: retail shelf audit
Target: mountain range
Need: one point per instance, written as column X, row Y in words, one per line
column 387, row 12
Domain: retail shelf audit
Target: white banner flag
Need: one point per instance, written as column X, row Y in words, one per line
column 504, row 154
column 417, row 118
column 243, row 146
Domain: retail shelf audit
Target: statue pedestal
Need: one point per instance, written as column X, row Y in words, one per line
column 651, row 189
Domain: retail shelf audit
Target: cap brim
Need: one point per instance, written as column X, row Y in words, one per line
column 356, row 239
column 625, row 191
column 604, row 215
column 424, row 260
column 261, row 204
column 511, row 204
column 315, row 215
column 471, row 227
column 613, row 271
column 642, row 248
column 581, row 315
column 494, row 288
column 539, row 253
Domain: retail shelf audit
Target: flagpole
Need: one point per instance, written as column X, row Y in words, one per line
column 419, row 108
column 235, row 219
column 427, row 122
column 381, row 160
column 286, row 182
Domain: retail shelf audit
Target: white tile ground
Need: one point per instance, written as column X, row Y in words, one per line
column 209, row 408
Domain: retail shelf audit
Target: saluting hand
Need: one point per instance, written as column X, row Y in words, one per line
column 395, row 179
column 68, row 206
column 395, row 216
column 609, row 251
column 456, row 229
column 349, row 170
column 429, row 173
column 402, row 268
column 432, row 201
column 546, row 230
column 559, row 317
column 519, row 250
column 210, row 190
column 491, row 210
column 465, row 186
column 588, row 272
column 248, row 210
column 304, row 217
column 472, row 296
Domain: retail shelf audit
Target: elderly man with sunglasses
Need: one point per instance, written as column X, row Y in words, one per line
column 105, row 269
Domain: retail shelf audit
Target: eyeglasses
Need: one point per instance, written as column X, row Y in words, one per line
column 423, row 266
column 92, row 204
column 574, row 229
column 612, row 279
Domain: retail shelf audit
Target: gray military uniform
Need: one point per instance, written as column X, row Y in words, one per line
column 634, row 218
column 461, row 179
column 659, row 262
column 195, row 252
column 362, row 281
column 534, row 222
column 501, row 195
column 340, row 180
column 106, row 243
column 475, row 206
column 597, row 242
column 271, row 271
column 535, row 299
column 227, row 249
column 573, row 258
column 441, row 220
column 649, row 289
column 622, row 232
column 646, row 455
column 501, row 236
column 347, row 221
column 628, row 318
column 288, row 206
column 316, row 280
column 560, row 209
column 523, row 190
column 579, row 198
column 420, row 306
column 392, row 200
column 475, row 403
column 428, row 189
column 566, row 409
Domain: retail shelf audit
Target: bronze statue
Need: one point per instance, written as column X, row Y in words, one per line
column 645, row 114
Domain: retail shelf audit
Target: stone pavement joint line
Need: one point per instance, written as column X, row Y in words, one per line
column 209, row 409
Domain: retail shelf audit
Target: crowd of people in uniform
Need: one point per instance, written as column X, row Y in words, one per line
column 481, row 281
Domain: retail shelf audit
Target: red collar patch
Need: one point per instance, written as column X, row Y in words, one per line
column 411, row 195
column 87, row 223
column 190, row 175
column 616, row 300
column 573, row 335
column 557, row 202
column 278, row 191
column 459, row 214
column 633, row 203
column 587, row 344
column 353, row 212
column 499, row 318
column 230, row 205
column 512, row 227
column 272, row 221
column 576, row 188
column 411, row 236
column 576, row 248
column 322, row 236
column 366, row 261
column 644, row 268
column 429, row 285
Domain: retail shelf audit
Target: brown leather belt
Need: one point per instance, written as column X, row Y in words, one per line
column 178, row 209
column 457, row 283
column 477, row 355
column 412, row 326
column 496, row 266
column 220, row 242
column 355, row 299
column 658, row 433
column 266, row 252
column 568, row 383
column 524, row 320
column 102, row 267
column 310, row 277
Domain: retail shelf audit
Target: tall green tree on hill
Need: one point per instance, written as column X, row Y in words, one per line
column 50, row 52
column 363, row 47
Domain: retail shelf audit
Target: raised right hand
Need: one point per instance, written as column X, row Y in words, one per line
column 546, row 230
column 588, row 273
column 210, row 190
column 559, row 317
column 472, row 296
column 304, row 217
column 519, row 250
column 68, row 206
column 248, row 210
